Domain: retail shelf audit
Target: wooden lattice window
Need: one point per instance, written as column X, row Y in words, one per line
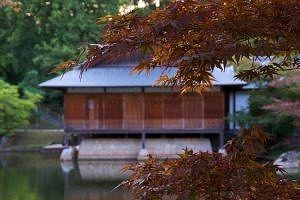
column 173, row 106
column 213, row 105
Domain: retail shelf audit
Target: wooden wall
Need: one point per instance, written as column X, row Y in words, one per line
column 144, row 111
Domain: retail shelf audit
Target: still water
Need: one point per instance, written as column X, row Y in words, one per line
column 42, row 177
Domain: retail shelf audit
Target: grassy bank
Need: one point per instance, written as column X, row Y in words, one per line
column 33, row 140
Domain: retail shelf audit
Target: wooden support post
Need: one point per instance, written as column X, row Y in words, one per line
column 65, row 143
column 143, row 140
column 234, row 112
column 143, row 153
column 221, row 140
column 67, row 139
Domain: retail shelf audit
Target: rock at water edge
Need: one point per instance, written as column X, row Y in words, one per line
column 68, row 154
column 143, row 154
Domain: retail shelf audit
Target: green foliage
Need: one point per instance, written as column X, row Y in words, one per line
column 278, row 125
column 15, row 110
column 44, row 33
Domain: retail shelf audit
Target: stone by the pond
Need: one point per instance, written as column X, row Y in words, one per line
column 290, row 159
column 53, row 148
column 129, row 148
column 67, row 167
column 222, row 151
column 143, row 154
column 68, row 154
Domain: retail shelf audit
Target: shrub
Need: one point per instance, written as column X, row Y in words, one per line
column 14, row 109
column 275, row 106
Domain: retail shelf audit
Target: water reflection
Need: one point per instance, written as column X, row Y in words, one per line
column 293, row 173
column 40, row 177
column 102, row 170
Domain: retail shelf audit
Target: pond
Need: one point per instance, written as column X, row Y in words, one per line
column 42, row 177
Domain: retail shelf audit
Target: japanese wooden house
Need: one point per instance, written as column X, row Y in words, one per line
column 109, row 101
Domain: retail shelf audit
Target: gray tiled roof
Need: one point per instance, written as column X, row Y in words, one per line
column 122, row 76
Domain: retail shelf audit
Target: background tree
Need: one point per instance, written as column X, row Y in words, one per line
column 43, row 33
column 275, row 105
column 287, row 99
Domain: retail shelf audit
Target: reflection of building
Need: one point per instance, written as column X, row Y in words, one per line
column 95, row 193
column 96, row 170
column 110, row 102
column 2, row 162
column 98, row 180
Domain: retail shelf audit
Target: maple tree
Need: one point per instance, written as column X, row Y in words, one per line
column 10, row 3
column 206, row 175
column 198, row 36
column 41, row 34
